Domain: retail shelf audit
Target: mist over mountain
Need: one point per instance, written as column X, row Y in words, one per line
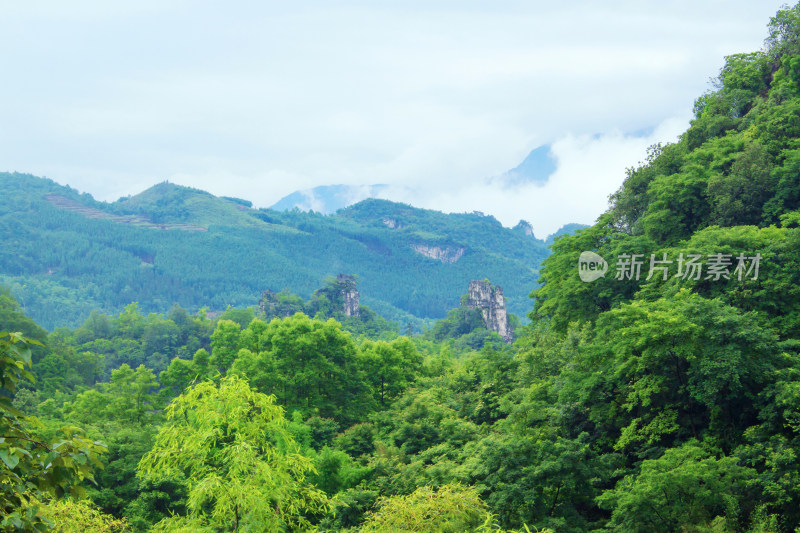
column 328, row 199
column 536, row 168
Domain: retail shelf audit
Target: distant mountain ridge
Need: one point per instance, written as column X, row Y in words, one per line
column 327, row 199
column 536, row 168
column 67, row 254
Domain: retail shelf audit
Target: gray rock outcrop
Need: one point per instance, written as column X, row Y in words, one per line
column 489, row 300
column 391, row 223
column 349, row 292
column 443, row 254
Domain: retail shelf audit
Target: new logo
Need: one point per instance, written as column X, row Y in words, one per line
column 591, row 267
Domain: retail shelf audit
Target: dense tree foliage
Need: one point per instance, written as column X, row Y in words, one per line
column 32, row 468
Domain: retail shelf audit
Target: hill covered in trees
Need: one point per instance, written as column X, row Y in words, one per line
column 68, row 254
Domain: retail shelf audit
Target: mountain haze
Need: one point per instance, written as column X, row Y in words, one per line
column 327, row 199
column 537, row 167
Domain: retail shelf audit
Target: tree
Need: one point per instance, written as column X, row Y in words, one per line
column 72, row 516
column 391, row 367
column 310, row 365
column 182, row 372
column 738, row 197
column 784, row 33
column 665, row 371
column 450, row 509
column 538, row 477
column 127, row 398
column 30, row 469
column 563, row 298
column 685, row 487
column 13, row 319
column 244, row 470
column 224, row 341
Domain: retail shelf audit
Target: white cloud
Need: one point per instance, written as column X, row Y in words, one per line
column 589, row 169
column 258, row 99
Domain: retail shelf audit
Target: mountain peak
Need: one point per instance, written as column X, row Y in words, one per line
column 327, row 199
column 167, row 202
column 536, row 168
column 163, row 189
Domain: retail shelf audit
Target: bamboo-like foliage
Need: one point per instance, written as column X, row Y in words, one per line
column 244, row 470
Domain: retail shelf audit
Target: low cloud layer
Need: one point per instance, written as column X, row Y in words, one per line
column 589, row 169
column 258, row 100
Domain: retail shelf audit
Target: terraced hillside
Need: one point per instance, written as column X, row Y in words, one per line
column 141, row 221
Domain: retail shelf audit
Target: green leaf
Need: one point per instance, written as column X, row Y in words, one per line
column 11, row 461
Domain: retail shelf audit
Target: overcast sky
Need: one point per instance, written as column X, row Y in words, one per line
column 259, row 99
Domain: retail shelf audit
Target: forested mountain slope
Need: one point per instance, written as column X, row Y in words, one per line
column 682, row 379
column 730, row 186
column 68, row 254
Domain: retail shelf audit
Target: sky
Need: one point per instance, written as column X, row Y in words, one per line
column 433, row 98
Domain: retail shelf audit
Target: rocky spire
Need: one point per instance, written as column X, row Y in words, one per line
column 349, row 292
column 489, row 300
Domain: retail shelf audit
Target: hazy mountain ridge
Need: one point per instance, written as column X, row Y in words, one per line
column 70, row 254
column 327, row 199
column 536, row 168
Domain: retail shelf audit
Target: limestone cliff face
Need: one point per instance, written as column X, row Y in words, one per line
column 492, row 306
column 349, row 292
column 391, row 223
column 445, row 255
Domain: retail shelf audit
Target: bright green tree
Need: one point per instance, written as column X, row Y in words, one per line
column 450, row 509
column 244, row 470
column 70, row 516
column 391, row 367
